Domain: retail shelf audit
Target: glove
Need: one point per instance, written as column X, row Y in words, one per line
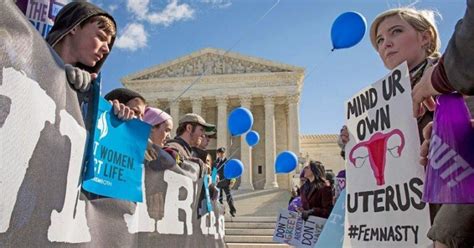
column 80, row 79
column 305, row 214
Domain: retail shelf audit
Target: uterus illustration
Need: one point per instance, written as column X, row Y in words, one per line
column 377, row 151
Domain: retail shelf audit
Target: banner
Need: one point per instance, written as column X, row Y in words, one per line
column 384, row 180
column 41, row 13
column 291, row 229
column 42, row 142
column 450, row 169
column 115, row 157
column 332, row 235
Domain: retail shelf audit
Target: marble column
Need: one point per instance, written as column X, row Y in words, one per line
column 197, row 105
column 246, row 152
column 174, row 112
column 222, row 102
column 293, row 124
column 270, row 176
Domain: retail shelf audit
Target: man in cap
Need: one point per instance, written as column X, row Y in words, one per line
column 224, row 184
column 189, row 134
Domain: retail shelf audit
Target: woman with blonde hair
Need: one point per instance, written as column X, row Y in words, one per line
column 407, row 34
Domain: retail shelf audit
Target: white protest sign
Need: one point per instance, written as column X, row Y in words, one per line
column 384, row 179
column 291, row 229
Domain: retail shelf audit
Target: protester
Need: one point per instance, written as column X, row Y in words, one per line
column 83, row 36
column 206, row 139
column 316, row 193
column 454, row 224
column 406, row 34
column 202, row 153
column 189, row 134
column 411, row 35
column 295, row 191
column 342, row 140
column 330, row 178
column 161, row 123
column 224, row 183
column 132, row 102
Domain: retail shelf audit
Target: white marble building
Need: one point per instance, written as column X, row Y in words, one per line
column 211, row 83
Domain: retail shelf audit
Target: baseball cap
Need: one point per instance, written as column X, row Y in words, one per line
column 195, row 118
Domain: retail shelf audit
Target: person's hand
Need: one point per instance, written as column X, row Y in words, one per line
column 80, row 79
column 121, row 110
column 423, row 93
column 425, row 147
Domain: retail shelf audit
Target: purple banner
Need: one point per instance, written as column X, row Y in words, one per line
column 450, row 172
column 41, row 13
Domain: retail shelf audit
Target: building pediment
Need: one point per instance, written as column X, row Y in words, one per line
column 210, row 61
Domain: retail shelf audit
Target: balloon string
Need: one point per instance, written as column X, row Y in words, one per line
column 227, row 51
column 230, row 157
column 313, row 68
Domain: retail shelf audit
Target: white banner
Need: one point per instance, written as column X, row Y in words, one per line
column 384, row 179
column 291, row 229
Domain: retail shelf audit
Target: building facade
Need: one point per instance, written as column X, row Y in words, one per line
column 322, row 148
column 211, row 82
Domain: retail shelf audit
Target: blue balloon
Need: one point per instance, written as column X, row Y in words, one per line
column 252, row 138
column 286, row 162
column 347, row 30
column 240, row 121
column 233, row 168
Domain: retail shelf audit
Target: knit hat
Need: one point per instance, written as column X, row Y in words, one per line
column 155, row 116
column 123, row 95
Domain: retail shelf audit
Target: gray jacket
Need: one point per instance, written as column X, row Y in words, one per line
column 459, row 55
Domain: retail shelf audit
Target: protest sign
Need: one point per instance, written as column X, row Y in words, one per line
column 291, row 229
column 42, row 145
column 384, row 180
column 115, row 157
column 332, row 235
column 41, row 13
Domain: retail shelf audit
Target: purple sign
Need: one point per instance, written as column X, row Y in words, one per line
column 41, row 13
column 295, row 204
column 450, row 172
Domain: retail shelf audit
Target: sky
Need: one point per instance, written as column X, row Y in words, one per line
column 295, row 32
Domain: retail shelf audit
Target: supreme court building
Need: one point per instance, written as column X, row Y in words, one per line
column 221, row 82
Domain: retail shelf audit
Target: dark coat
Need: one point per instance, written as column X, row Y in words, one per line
column 223, row 182
column 317, row 199
column 459, row 55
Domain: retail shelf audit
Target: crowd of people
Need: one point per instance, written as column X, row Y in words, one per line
column 83, row 35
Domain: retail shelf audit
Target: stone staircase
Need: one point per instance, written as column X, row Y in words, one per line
column 250, row 231
column 255, row 221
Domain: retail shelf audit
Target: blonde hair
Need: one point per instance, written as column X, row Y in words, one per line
column 420, row 20
column 105, row 23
